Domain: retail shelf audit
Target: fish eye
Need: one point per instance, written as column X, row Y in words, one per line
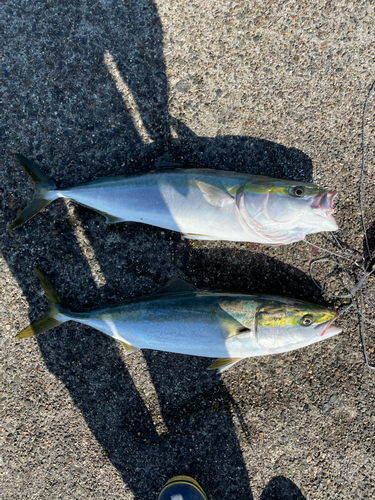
column 307, row 320
column 299, row 191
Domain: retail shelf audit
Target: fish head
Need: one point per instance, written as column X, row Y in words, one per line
column 285, row 324
column 281, row 205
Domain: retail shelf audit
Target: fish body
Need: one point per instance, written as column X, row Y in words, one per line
column 200, row 203
column 185, row 320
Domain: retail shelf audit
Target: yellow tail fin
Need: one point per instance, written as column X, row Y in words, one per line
column 54, row 315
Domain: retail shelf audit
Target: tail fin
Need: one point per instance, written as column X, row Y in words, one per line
column 54, row 315
column 43, row 184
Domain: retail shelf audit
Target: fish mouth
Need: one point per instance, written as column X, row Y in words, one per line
column 323, row 205
column 328, row 328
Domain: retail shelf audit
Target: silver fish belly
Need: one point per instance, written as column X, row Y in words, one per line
column 185, row 323
column 171, row 200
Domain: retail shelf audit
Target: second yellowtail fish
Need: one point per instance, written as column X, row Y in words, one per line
column 200, row 203
column 182, row 319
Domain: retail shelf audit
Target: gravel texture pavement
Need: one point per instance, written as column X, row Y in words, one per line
column 92, row 88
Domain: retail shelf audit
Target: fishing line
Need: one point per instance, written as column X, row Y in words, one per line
column 357, row 262
column 348, row 253
column 363, row 166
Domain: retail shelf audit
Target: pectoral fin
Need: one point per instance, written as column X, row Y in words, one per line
column 215, row 196
column 129, row 349
column 223, row 364
column 235, row 332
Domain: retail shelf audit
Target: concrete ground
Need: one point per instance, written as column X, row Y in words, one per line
column 93, row 88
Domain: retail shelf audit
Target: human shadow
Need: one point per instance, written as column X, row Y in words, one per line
column 240, row 153
column 133, row 259
column 282, row 488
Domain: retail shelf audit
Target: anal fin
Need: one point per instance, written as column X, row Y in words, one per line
column 193, row 236
column 129, row 349
column 111, row 219
column 222, row 364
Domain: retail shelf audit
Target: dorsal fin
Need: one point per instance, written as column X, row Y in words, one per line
column 167, row 164
column 175, row 285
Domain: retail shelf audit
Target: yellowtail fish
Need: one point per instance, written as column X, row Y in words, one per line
column 182, row 319
column 200, row 203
